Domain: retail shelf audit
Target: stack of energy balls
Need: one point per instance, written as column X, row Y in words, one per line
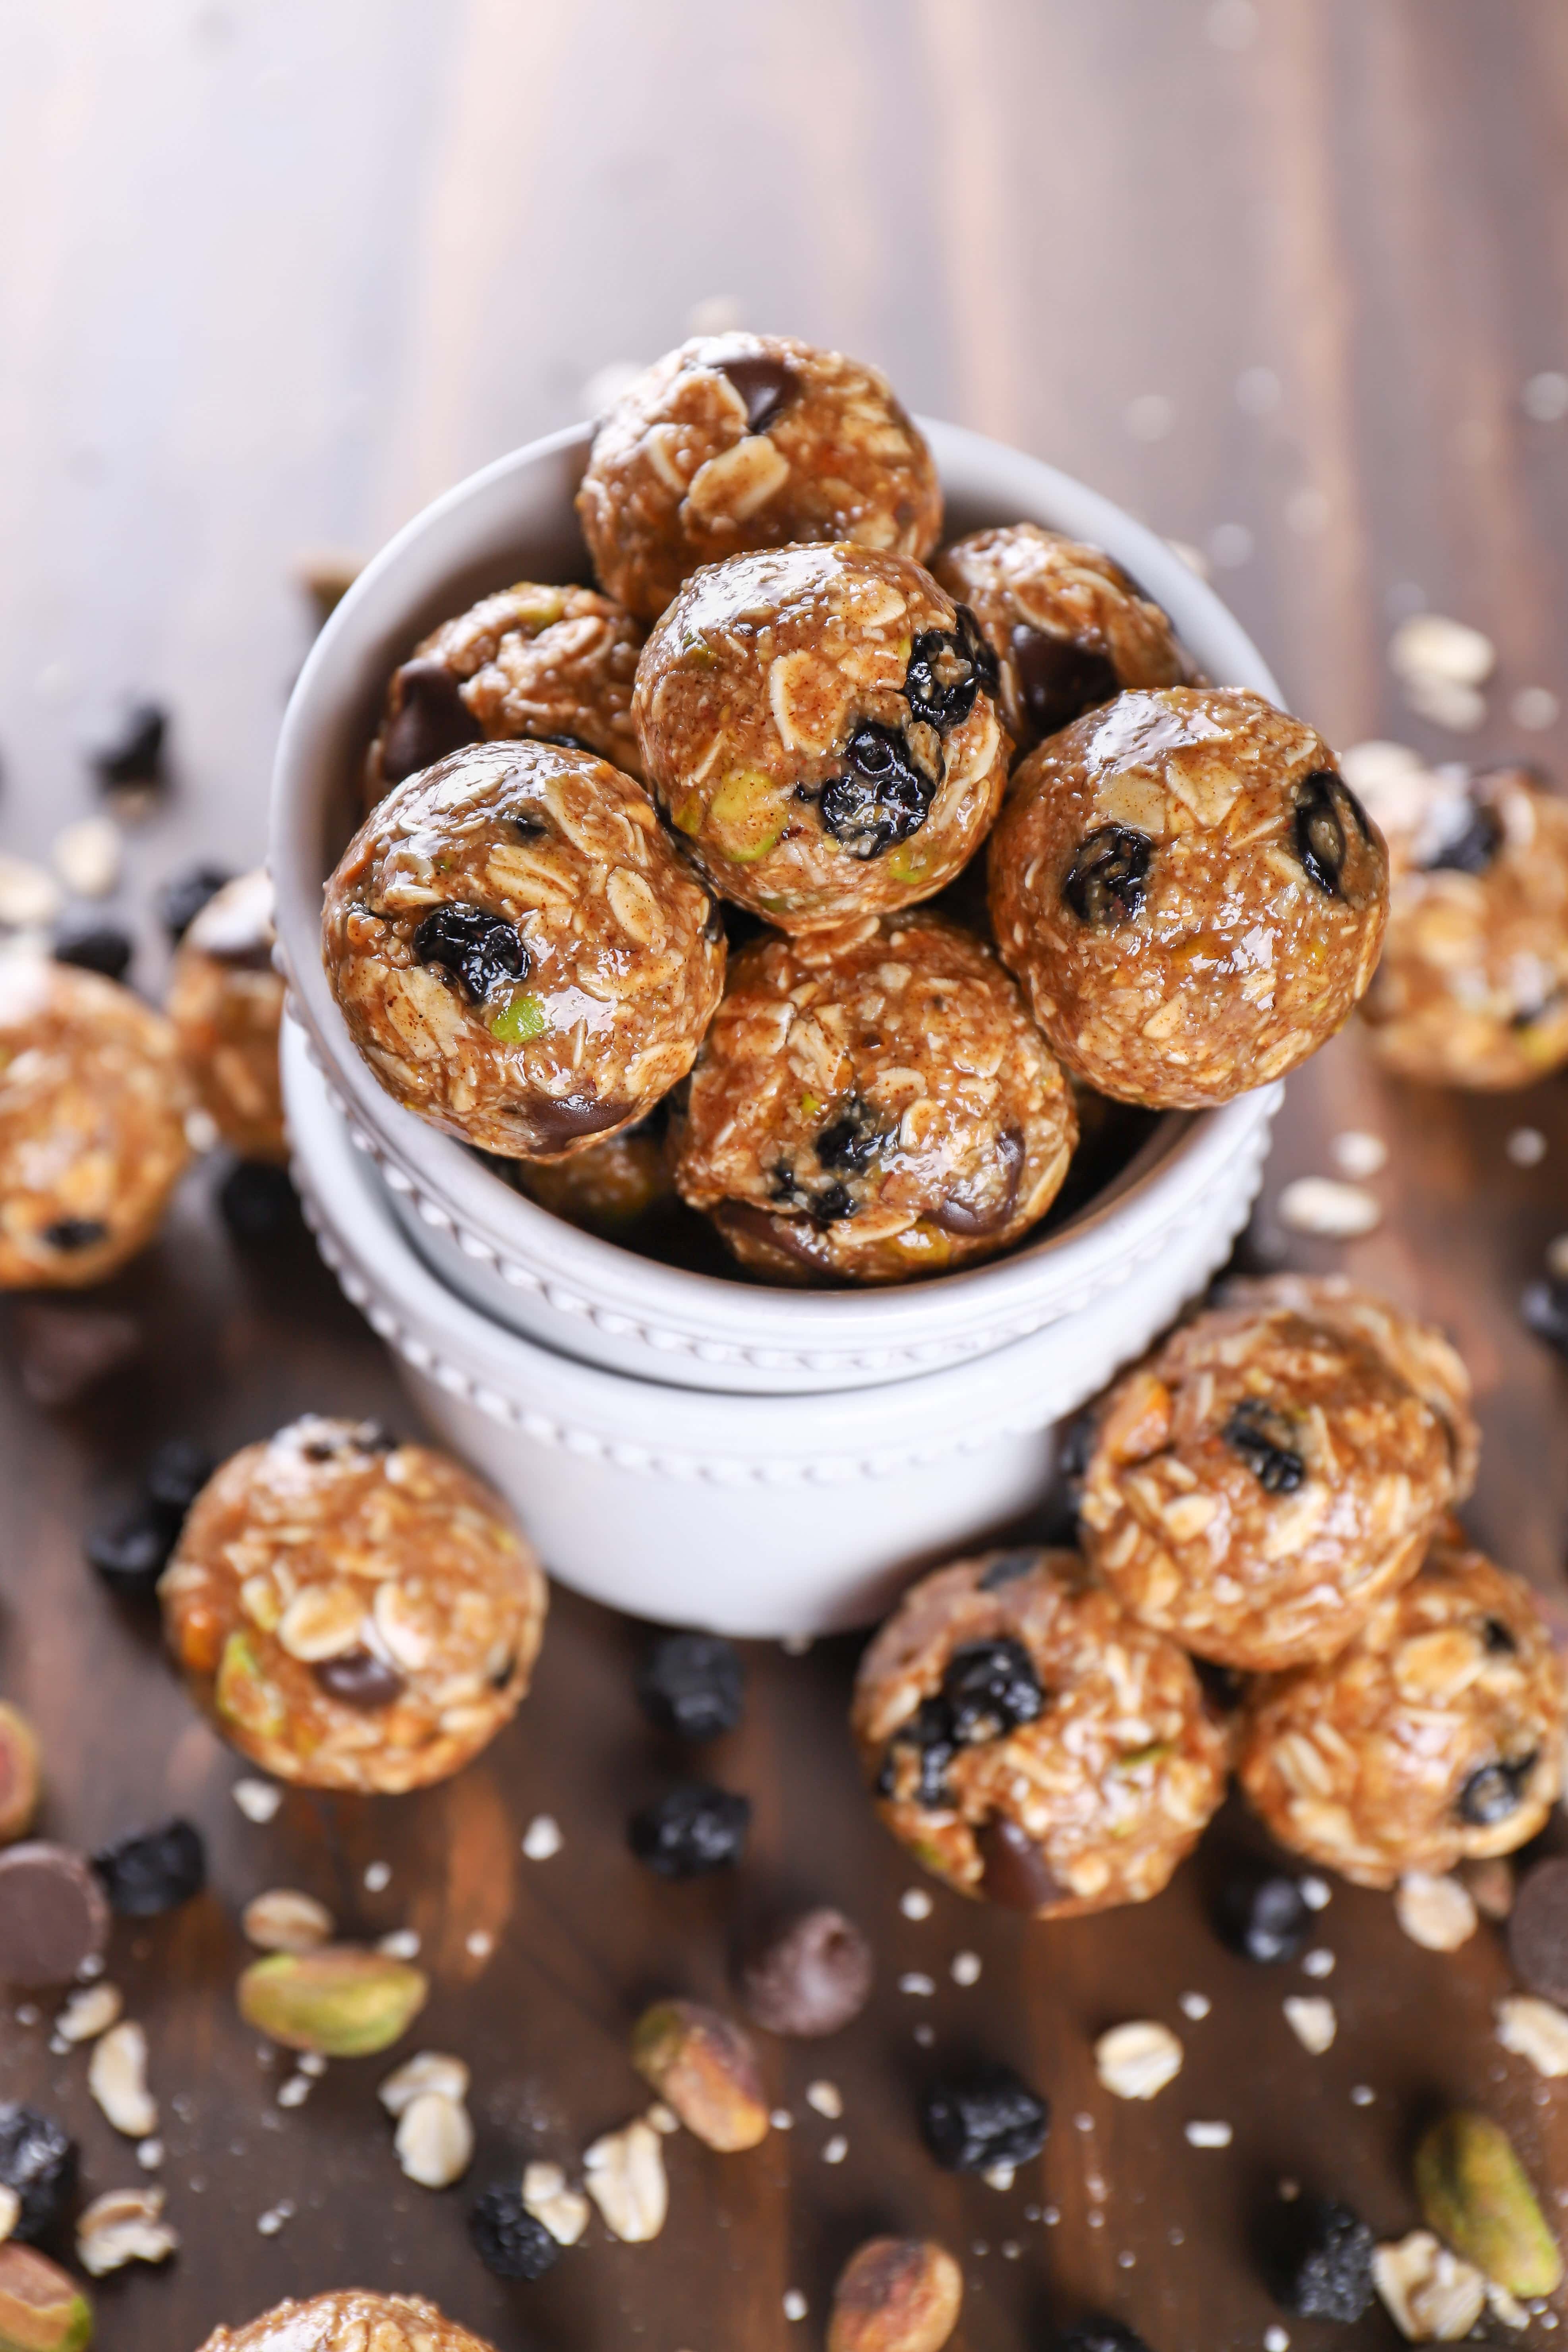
column 643, row 894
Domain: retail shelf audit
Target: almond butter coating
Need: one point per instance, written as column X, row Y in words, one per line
column 1190, row 895
column 350, row 2320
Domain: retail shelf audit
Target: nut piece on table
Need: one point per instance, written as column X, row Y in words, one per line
column 284, row 1920
column 38, row 2165
column 1137, row 2060
column 625, row 2178
column 807, row 1976
column 330, row 2323
column 117, row 2077
column 706, row 2068
column 565, row 2211
column 340, row 2002
column 1474, row 2193
column 125, row 2225
column 19, row 1774
column 1429, row 2293
column 896, row 2294
column 42, row 2309
column 427, row 2070
column 1536, row 2029
column 1437, row 1912
column 435, row 2139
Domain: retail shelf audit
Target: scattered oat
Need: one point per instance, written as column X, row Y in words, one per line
column 126, row 2225
column 1313, row 2020
column 965, row 1969
column 403, row 1944
column 1083, row 2121
column 1136, row 2061
column 1526, row 1146
column 377, row 1877
column 1430, row 645
column 827, row 2098
column 1317, row 1962
column 1545, row 397
column 435, row 2140
column 1429, row 2293
column 925, row 2035
column 86, row 856
column 479, row 1944
column 1195, row 2005
column 88, row 2013
column 294, row 2091
column 1324, row 1206
column 795, row 2304
column 257, row 1799
column 1315, row 1892
column 919, row 1986
column 1000, row 2177
column 149, row 2155
column 1436, row 1912
column 664, row 2119
column 1149, row 417
column 29, row 898
column 626, row 2180
column 781, row 2119
column 1361, row 2095
column 1010, row 2250
column 269, row 2223
column 564, row 2210
column 835, row 2149
column 309, row 2061
column 1534, row 709
column 1275, row 2339
column 1536, row 2029
column 915, row 1902
column 1357, row 1154
column 284, row 1920
column 117, row 2077
column 1208, row 2135
column 426, row 2071
column 542, row 1840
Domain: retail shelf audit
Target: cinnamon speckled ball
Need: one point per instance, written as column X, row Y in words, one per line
column 350, row 2320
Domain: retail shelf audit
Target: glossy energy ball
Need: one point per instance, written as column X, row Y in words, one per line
column 1190, row 895
column 873, row 1104
column 738, row 441
column 94, row 1101
column 1436, row 1737
column 226, row 1002
column 1031, row 1744
column 551, row 662
column 354, row 1613
column 1068, row 628
column 350, row 2321
column 605, row 1189
column 519, row 952
column 1472, row 988
column 821, row 725
column 1259, row 1483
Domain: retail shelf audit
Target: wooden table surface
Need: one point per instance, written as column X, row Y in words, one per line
column 274, row 272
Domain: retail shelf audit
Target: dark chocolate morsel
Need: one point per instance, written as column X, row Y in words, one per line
column 957, row 1215
column 429, row 719
column 560, row 1119
column 766, row 384
column 807, row 1976
column 480, row 951
column 53, row 1914
column 69, row 1235
column 1016, row 1872
column 1538, row 1929
column 359, row 1678
column 794, row 1237
column 1059, row 680
column 1108, row 880
column 258, row 1202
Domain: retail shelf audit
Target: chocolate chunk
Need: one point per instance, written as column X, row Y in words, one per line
column 807, row 1976
column 152, row 1871
column 1321, row 2265
column 692, row 1684
column 1108, row 880
column 882, row 798
column 429, row 719
column 560, row 1119
column 988, row 2116
column 693, row 1830
column 766, row 384
column 53, row 1915
column 1016, row 1872
column 359, row 1678
column 70, row 1234
column 957, row 1215
column 793, row 1235
column 181, row 897
column 92, row 945
column 128, row 747
column 64, row 1351
column 480, row 951
column 1059, row 680
column 1538, row 1929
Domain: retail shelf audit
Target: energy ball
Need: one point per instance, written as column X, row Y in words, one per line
column 520, row 953
column 1259, row 1484
column 350, row 2321
column 1436, row 1737
column 873, row 1104
column 353, row 1612
column 532, row 660
column 738, row 441
column 607, row 1188
column 226, row 1003
column 1029, row 1742
column 1472, row 989
column 93, row 1102
column 1068, row 628
column 821, row 725
column 1189, row 891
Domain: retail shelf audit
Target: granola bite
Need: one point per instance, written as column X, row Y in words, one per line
column 354, row 1613
column 606, row 1189
column 520, row 953
column 1435, row 1738
column 554, row 662
column 226, row 1003
column 1031, row 1744
column 1068, row 628
column 1472, row 989
column 873, row 1104
column 821, row 724
column 1258, row 1485
column 94, row 1100
column 1191, row 896
column 738, row 441
column 353, row 2320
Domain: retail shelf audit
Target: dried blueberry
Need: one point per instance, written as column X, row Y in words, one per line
column 1472, row 846
column 152, row 1871
column 176, row 1474
column 1322, row 2260
column 833, row 1205
column 1059, row 679
column 766, row 385
column 359, row 1678
column 70, row 1234
column 1101, row 2335
column 480, row 951
column 1261, row 1913
column 990, row 1688
column 1327, row 816
column 1107, row 881
column 692, row 1684
column 695, row 1829
column 258, row 1202
column 986, row 2116
column 1007, row 1566
column 1493, row 1791
column 529, row 828
column 93, row 945
column 507, row 2238
column 929, row 1733
column 38, row 2160
column 429, row 719
column 948, row 668
column 852, row 1140
column 132, row 1554
column 882, row 799
column 1498, row 1637
column 1260, row 1434
column 128, row 748
column 1544, row 1307
column 182, row 898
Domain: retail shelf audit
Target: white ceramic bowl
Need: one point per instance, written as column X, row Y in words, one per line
column 1179, row 1202
column 753, row 1514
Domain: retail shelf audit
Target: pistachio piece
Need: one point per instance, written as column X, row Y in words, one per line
column 241, row 1693
column 41, row 2308
column 747, row 815
column 340, row 2000
column 18, row 1774
column 1474, row 2193
column 284, row 1920
column 896, row 2294
column 706, row 2069
column 1431, row 2296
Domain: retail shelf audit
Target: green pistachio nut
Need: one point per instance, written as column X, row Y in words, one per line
column 706, row 2069
column 538, row 607
column 42, row 2309
column 1474, row 2193
column 746, row 815
column 521, row 1018
column 242, row 1695
column 341, row 2001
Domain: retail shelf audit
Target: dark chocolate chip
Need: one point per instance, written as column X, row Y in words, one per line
column 359, row 1678
column 695, row 1829
column 184, row 896
column 882, row 798
column 176, row 1474
column 258, row 1202
column 1016, row 1873
column 692, row 1684
column 480, row 951
column 508, row 2240
column 92, row 945
column 990, row 1688
column 560, row 1119
column 1538, row 1929
column 1329, row 823
column 69, row 1235
column 38, row 2161
column 1260, row 1434
column 988, row 2116
column 128, row 748
column 766, row 384
column 1108, row 880
column 1321, row 2265
column 833, row 1205
column 947, row 669
column 1494, row 1790
column 1007, row 1566
column 154, row 1871
column 429, row 719
column 794, row 1237
column 958, row 1215
column 1059, row 680
column 1473, row 844
column 53, row 1915
column 132, row 1554
column 807, row 1976
column 1261, row 1912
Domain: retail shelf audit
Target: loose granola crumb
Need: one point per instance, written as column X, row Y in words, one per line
column 542, row 1840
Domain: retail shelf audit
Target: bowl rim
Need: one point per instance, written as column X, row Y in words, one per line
column 670, row 1307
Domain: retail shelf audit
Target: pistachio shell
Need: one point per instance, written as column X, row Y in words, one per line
column 41, row 2307
column 1474, row 2193
column 339, row 2001
column 706, row 2069
column 242, row 1695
